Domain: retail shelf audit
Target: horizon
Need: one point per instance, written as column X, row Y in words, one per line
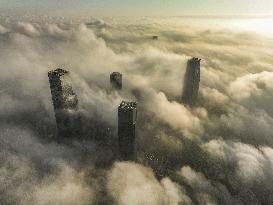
column 140, row 8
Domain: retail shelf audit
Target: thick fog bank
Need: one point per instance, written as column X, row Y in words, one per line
column 219, row 152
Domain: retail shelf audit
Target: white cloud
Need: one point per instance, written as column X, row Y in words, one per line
column 235, row 106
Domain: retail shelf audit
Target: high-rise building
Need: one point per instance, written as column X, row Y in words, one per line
column 65, row 103
column 127, row 117
column 116, row 80
column 191, row 82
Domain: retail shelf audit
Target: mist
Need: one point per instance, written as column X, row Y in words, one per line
column 218, row 152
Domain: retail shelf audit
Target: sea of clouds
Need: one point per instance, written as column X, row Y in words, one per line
column 219, row 152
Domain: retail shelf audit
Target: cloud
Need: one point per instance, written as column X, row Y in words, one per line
column 133, row 183
column 97, row 23
column 219, row 152
column 68, row 187
column 27, row 29
column 3, row 29
column 252, row 84
column 253, row 91
column 22, row 182
column 213, row 97
column 55, row 31
column 172, row 113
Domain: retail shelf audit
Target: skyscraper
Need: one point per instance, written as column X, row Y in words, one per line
column 65, row 103
column 116, row 80
column 127, row 117
column 191, row 82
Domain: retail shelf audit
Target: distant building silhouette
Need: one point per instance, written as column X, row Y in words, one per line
column 127, row 117
column 191, row 82
column 116, row 80
column 65, row 103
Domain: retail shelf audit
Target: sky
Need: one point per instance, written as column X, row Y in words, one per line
column 142, row 7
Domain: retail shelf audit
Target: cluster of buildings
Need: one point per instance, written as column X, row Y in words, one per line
column 68, row 119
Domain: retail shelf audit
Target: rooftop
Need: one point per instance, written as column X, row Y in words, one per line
column 115, row 73
column 194, row 59
column 58, row 72
column 127, row 105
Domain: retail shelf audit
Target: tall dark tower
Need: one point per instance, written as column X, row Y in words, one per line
column 191, row 82
column 127, row 117
column 65, row 103
column 116, row 80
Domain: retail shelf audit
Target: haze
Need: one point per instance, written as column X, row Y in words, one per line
column 219, row 151
column 141, row 7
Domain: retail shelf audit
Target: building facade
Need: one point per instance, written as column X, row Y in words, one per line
column 116, row 80
column 191, row 82
column 127, row 118
column 65, row 103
